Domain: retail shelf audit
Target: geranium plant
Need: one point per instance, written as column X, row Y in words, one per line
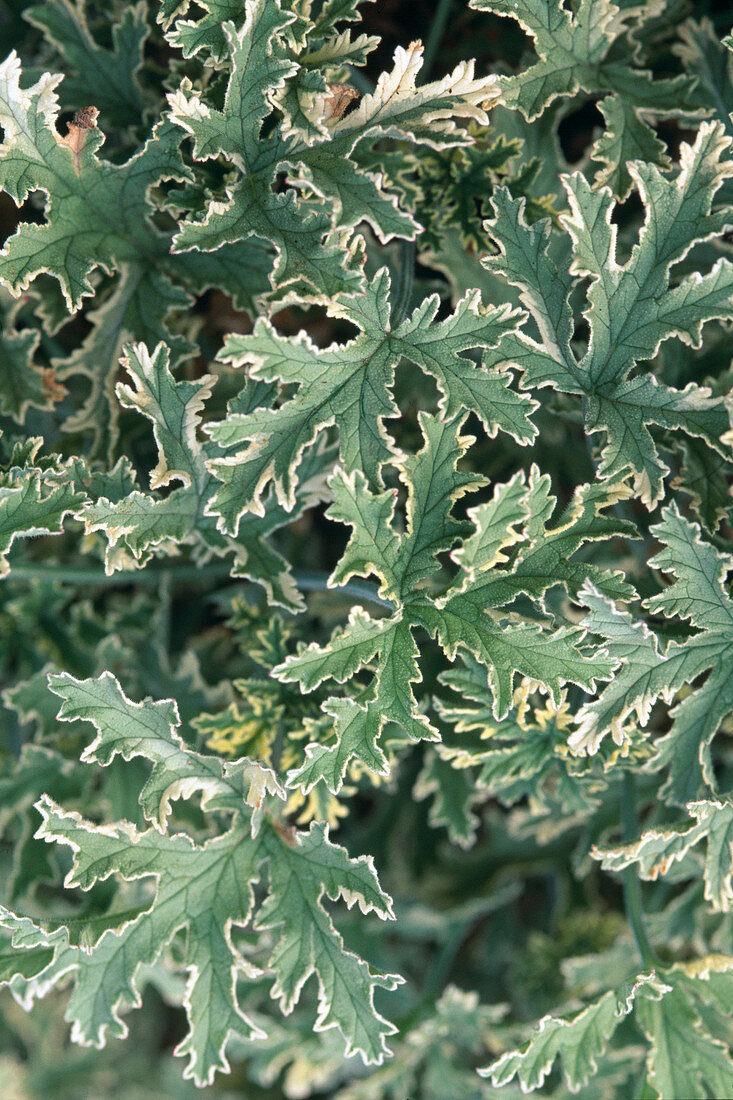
column 365, row 535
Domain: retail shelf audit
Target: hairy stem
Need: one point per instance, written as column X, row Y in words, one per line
column 403, row 284
column 95, row 575
column 437, row 28
column 362, row 590
column 632, row 885
column 181, row 573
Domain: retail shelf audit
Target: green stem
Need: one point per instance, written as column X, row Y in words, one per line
column 362, row 590
column 436, row 33
column 632, row 885
column 165, row 593
column 403, row 284
column 183, row 573
column 95, row 575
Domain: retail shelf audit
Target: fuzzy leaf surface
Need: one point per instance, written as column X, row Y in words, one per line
column 631, row 307
column 351, row 385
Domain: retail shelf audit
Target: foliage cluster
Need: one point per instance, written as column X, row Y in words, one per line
column 366, row 644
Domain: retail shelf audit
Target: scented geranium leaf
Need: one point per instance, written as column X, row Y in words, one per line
column 657, row 849
column 357, row 729
column 351, row 385
column 509, row 648
column 105, row 77
column 174, row 409
column 545, row 554
column 709, row 59
column 435, row 1058
column 34, row 505
column 396, row 109
column 522, row 756
column 674, row 1024
column 347, row 652
column 139, row 303
column 33, row 956
column 206, row 32
column 577, row 1041
column 204, row 889
column 649, row 671
column 32, row 701
column 255, row 556
column 148, row 730
column 646, row 672
column 307, row 942
column 22, row 384
column 578, row 51
column 208, row 890
column 496, row 528
column 98, row 213
column 704, row 477
column 258, row 70
column 626, row 138
column 631, row 307
column 453, row 795
column 315, row 97
column 329, row 193
column 467, row 616
column 138, row 524
column 697, row 590
column 37, row 770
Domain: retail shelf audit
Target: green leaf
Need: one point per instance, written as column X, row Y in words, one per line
column 148, row 730
column 631, row 308
column 97, row 212
column 206, row 888
column 310, row 225
column 33, row 506
column 672, row 1025
column 99, row 215
column 205, row 33
column 453, row 795
column 306, row 942
column 22, row 384
column 522, row 756
column 575, row 49
column 578, row 1041
column 351, row 385
column 657, row 849
column 209, row 890
column 139, row 304
column 106, row 78
column 137, row 524
column 709, row 60
column 626, row 138
column 697, row 594
column 465, row 617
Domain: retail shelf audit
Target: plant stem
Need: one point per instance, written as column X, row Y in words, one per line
column 183, row 573
column 436, row 33
column 165, row 594
column 362, row 590
column 95, row 575
column 403, row 284
column 632, row 885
